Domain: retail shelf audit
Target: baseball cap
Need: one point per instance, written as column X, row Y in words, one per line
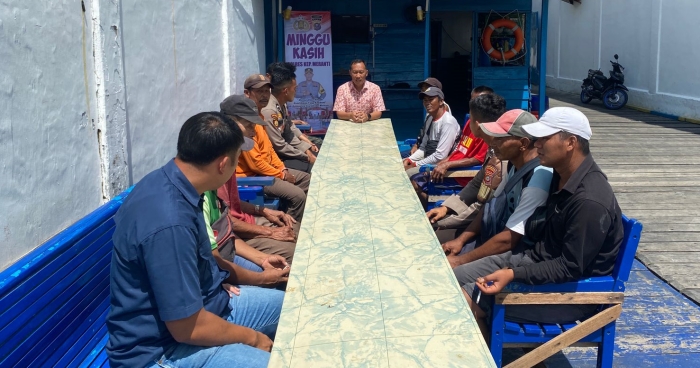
column 510, row 124
column 308, row 70
column 242, row 107
column 256, row 81
column 558, row 119
column 432, row 82
column 432, row 91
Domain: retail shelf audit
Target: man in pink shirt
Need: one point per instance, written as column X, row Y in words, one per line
column 359, row 100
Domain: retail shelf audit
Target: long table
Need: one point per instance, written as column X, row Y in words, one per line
column 370, row 285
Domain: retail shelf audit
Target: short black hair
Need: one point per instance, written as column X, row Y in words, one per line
column 357, row 61
column 273, row 66
column 482, row 89
column 582, row 142
column 488, row 107
column 206, row 136
column 281, row 74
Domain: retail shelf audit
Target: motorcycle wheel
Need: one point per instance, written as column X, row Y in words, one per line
column 615, row 99
column 585, row 97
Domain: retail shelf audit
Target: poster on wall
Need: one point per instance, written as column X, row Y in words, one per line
column 307, row 36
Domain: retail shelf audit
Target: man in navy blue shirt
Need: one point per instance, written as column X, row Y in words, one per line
column 171, row 305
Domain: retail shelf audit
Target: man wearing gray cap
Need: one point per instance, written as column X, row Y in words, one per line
column 581, row 226
column 290, row 185
column 440, row 132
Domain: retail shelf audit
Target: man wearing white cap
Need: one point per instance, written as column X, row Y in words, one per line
column 500, row 226
column 580, row 234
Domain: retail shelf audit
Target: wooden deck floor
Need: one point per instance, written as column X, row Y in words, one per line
column 653, row 166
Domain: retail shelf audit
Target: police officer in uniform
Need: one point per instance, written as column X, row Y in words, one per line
column 310, row 89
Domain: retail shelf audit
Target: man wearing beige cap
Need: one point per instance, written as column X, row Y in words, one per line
column 581, row 229
column 501, row 225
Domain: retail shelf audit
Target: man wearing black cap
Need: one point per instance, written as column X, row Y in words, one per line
column 440, row 132
column 290, row 185
column 310, row 89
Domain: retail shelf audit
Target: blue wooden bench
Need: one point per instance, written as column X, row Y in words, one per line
column 250, row 189
column 54, row 301
column 597, row 331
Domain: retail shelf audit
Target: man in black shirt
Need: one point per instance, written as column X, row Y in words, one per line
column 582, row 232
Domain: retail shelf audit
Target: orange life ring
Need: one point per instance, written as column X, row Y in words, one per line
column 519, row 39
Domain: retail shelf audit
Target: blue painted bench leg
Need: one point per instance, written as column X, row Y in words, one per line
column 606, row 348
column 496, row 343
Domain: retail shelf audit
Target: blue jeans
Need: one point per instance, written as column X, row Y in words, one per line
column 257, row 308
column 248, row 265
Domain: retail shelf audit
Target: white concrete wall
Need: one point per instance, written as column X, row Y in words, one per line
column 654, row 39
column 91, row 102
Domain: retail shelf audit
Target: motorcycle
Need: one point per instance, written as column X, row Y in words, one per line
column 611, row 90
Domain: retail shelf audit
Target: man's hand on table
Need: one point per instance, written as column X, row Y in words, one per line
column 437, row 214
column 359, row 116
column 278, row 218
column 495, row 282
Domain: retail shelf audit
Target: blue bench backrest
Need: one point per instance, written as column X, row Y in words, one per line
column 54, row 301
column 628, row 249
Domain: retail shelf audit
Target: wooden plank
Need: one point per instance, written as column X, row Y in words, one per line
column 671, row 247
column 567, row 338
column 671, row 227
column 671, row 257
column 559, row 298
column 654, row 237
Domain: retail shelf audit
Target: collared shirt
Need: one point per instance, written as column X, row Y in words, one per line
column 162, row 267
column 277, row 119
column 368, row 100
column 583, row 231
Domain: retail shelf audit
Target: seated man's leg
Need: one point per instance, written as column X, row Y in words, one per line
column 233, row 356
column 257, row 308
column 248, row 265
column 420, row 185
column 318, row 141
column 272, row 246
column 294, row 196
column 303, row 179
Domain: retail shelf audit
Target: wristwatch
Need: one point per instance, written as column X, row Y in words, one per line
column 257, row 209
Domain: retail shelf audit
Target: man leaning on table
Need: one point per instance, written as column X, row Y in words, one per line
column 170, row 304
column 581, row 233
column 359, row 100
